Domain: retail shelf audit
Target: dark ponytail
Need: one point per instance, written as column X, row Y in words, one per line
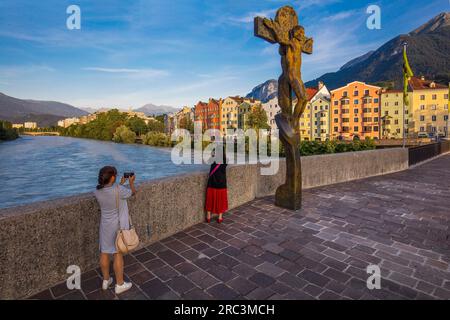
column 104, row 176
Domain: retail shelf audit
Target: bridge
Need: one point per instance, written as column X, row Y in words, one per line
column 399, row 222
column 31, row 133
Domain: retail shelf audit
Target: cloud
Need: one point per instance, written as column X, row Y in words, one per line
column 134, row 73
column 249, row 17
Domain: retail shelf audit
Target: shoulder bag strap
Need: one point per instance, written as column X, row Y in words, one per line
column 214, row 170
column 118, row 209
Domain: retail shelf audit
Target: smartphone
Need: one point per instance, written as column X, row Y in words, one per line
column 127, row 175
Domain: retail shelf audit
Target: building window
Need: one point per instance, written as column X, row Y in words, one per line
column 375, row 110
column 375, row 119
column 422, row 129
column 344, row 94
column 422, row 107
column 375, row 128
column 433, row 107
column 366, row 92
column 422, row 118
column 396, row 121
column 375, row 100
column 356, row 111
column 445, row 118
column 396, row 112
column 355, row 120
column 356, row 93
column 336, row 129
column 356, row 129
column 356, row 101
column 446, row 96
column 336, row 103
column 422, row 97
column 433, row 118
column 336, row 111
column 434, row 97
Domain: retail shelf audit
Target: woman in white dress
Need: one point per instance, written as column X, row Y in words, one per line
column 114, row 216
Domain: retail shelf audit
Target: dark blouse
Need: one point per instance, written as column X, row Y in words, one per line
column 219, row 179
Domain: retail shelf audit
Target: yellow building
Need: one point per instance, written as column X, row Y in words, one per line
column 229, row 112
column 392, row 114
column 429, row 110
column 320, row 104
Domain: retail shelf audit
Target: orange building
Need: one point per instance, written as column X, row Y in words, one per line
column 208, row 113
column 355, row 111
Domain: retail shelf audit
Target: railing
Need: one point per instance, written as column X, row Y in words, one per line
column 423, row 153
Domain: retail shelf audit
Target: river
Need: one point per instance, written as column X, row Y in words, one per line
column 42, row 168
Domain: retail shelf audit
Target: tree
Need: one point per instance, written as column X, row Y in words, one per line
column 124, row 135
column 257, row 118
column 155, row 126
column 137, row 125
column 7, row 132
column 187, row 123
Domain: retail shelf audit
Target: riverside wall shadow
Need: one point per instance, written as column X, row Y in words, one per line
column 39, row 241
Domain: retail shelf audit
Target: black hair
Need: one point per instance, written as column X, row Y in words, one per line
column 104, row 176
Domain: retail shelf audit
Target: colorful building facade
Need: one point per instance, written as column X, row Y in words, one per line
column 355, row 111
column 429, row 110
column 392, row 118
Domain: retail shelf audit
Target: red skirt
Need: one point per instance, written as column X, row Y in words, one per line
column 216, row 200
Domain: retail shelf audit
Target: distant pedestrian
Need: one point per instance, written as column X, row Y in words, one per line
column 114, row 216
column 216, row 191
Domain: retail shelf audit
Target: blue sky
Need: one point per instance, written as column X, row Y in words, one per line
column 176, row 52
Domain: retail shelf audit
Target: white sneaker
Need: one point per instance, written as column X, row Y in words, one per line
column 124, row 287
column 107, row 283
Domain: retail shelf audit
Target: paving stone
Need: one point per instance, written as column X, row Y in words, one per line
column 262, row 279
column 142, row 277
column 43, row 295
column 170, row 257
column 180, row 285
column 202, row 279
column 165, row 273
column 270, row 269
column 314, row 277
column 155, row 288
column 260, row 294
column 222, row 273
column 222, row 292
column 134, row 268
column 241, row 285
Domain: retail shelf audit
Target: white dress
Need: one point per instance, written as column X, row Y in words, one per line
column 110, row 216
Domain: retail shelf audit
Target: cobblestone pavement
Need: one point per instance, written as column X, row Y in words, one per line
column 399, row 222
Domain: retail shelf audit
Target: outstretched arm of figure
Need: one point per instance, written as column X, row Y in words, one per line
column 307, row 45
column 280, row 36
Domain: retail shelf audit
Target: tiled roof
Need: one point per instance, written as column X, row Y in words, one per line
column 311, row 92
column 416, row 83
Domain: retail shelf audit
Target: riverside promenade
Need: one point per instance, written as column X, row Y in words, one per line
column 400, row 222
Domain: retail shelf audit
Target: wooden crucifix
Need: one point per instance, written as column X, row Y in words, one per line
column 286, row 31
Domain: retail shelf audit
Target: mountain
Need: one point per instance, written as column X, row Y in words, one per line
column 151, row 109
column 428, row 53
column 265, row 91
column 89, row 110
column 45, row 113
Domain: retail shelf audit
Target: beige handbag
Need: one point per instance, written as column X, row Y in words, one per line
column 126, row 240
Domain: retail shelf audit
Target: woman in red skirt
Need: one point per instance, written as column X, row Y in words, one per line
column 216, row 192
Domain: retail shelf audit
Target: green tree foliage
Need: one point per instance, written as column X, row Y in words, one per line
column 187, row 123
column 156, row 126
column 309, row 148
column 137, row 125
column 7, row 132
column 157, row 139
column 257, row 118
column 124, row 135
column 102, row 128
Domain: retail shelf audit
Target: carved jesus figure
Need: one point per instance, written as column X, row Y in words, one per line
column 286, row 31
